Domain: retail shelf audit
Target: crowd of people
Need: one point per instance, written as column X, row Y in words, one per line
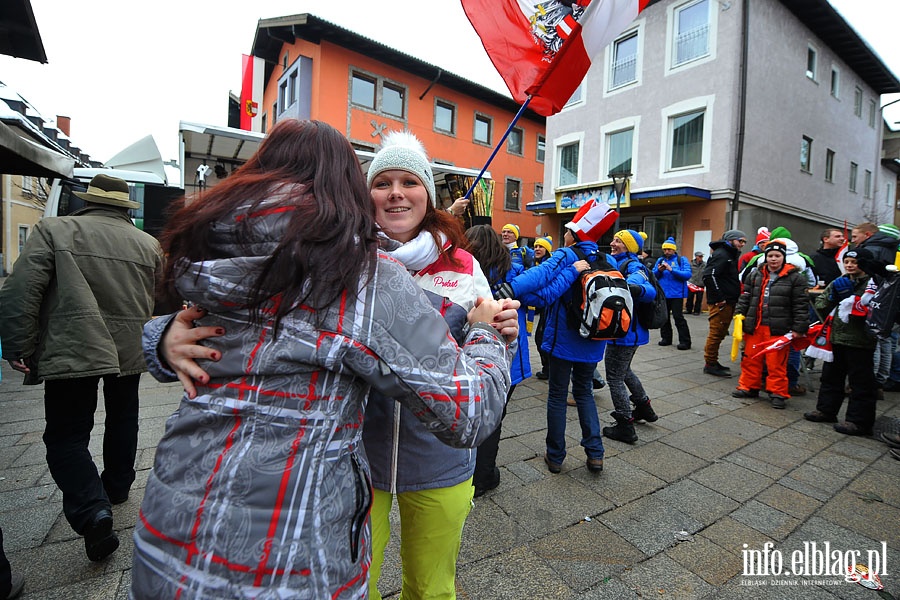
column 346, row 346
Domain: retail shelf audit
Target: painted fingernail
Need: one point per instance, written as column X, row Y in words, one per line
column 220, row 331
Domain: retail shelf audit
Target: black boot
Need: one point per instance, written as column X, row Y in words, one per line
column 643, row 411
column 622, row 431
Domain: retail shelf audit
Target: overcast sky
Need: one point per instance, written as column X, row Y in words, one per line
column 121, row 74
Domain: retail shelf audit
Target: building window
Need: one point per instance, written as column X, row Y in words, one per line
column 686, row 135
column 374, row 93
column 263, row 123
column 362, row 91
column 568, row 164
column 515, row 142
column 483, row 126
column 444, row 116
column 829, row 165
column 623, row 69
column 811, row 58
column 691, row 37
column 854, row 171
column 867, row 184
column 23, row 235
column 872, row 112
column 282, row 96
column 835, row 82
column 857, row 102
column 392, row 97
column 805, row 153
column 538, row 192
column 576, row 96
column 27, row 184
column 513, row 193
column 619, row 151
column 541, row 148
column 292, row 87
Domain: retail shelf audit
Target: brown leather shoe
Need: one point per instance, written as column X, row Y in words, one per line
column 552, row 466
column 594, row 465
column 817, row 416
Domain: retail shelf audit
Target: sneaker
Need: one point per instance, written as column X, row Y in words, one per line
column 665, row 342
column 99, row 538
column 594, row 465
column 622, row 431
column 739, row 393
column 683, row 346
column 598, row 384
column 554, row 467
column 891, row 439
column 797, row 390
column 891, row 386
column 717, row 370
column 779, row 402
column 817, row 416
column 849, row 428
column 542, row 375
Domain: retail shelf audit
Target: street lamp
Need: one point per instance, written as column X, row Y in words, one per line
column 620, row 180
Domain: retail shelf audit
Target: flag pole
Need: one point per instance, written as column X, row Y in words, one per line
column 499, row 145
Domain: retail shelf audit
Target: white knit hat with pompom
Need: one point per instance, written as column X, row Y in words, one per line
column 401, row 150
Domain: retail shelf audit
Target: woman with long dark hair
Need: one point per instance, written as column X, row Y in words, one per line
column 259, row 487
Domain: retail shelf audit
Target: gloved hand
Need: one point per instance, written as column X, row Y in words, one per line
column 636, row 290
column 841, row 288
column 505, row 291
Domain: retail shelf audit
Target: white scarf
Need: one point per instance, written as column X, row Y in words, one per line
column 417, row 253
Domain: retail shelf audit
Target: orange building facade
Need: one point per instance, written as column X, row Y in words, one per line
column 317, row 70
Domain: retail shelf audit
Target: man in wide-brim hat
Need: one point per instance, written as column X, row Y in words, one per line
column 71, row 314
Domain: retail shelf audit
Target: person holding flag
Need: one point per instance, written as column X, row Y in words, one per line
column 827, row 263
column 773, row 302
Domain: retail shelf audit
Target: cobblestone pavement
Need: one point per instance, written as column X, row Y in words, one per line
column 669, row 517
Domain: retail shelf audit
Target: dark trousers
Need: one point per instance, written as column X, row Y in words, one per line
column 486, row 457
column 694, row 302
column 69, row 406
column 675, row 306
column 539, row 339
column 5, row 571
column 854, row 364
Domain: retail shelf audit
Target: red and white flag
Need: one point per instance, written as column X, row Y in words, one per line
column 252, row 73
column 544, row 49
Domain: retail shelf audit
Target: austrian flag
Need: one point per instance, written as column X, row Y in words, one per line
column 544, row 49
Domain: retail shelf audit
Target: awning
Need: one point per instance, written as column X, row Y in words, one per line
column 20, row 156
column 19, row 35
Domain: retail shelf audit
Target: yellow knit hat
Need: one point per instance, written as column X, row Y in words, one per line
column 544, row 242
column 669, row 244
column 513, row 228
column 632, row 240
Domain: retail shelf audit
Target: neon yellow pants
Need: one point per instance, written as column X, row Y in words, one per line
column 431, row 524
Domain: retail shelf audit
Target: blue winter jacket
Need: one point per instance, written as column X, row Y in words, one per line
column 636, row 275
column 520, row 367
column 674, row 282
column 550, row 285
column 522, row 256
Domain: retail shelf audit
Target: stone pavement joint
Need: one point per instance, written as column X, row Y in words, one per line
column 726, row 472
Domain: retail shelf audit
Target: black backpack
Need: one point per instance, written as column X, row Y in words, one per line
column 651, row 315
column 601, row 307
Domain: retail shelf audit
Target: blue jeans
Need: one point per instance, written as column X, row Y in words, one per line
column 883, row 359
column 793, row 367
column 561, row 371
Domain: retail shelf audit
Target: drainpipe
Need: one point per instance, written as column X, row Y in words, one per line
column 739, row 158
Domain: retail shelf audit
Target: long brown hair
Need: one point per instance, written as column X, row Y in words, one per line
column 330, row 239
column 488, row 249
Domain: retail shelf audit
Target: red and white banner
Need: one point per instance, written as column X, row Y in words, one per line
column 544, row 49
column 252, row 74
